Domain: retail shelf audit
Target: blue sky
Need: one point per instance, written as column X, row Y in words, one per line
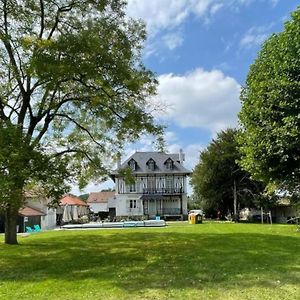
column 201, row 51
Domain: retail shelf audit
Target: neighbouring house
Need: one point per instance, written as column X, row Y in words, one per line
column 71, row 208
column 36, row 211
column 98, row 202
column 40, row 203
column 284, row 211
column 159, row 187
column 28, row 217
column 281, row 212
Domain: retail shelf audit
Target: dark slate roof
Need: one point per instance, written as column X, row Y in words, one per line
column 141, row 159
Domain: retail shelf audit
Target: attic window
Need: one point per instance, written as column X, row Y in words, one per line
column 132, row 165
column 169, row 164
column 151, row 164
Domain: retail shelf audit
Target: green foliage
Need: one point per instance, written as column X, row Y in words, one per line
column 213, row 177
column 23, row 167
column 270, row 115
column 84, row 197
column 73, row 87
column 127, row 174
column 194, row 202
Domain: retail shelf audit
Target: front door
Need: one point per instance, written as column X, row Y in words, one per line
column 152, row 207
column 112, row 213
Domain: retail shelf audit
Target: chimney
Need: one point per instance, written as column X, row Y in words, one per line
column 181, row 157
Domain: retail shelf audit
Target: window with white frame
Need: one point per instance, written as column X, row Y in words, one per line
column 132, row 204
column 132, row 165
column 132, row 188
column 169, row 164
column 151, row 165
column 169, row 183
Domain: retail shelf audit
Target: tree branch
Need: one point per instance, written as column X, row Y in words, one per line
column 59, row 11
column 73, row 151
column 42, row 22
column 81, row 127
column 105, row 92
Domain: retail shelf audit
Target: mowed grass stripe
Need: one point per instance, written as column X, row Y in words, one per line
column 204, row 261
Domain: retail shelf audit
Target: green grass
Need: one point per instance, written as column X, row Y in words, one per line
column 205, row 261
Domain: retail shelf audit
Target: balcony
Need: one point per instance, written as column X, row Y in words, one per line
column 163, row 191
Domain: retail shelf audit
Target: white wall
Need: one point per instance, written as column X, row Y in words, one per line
column 48, row 221
column 97, row 207
column 122, row 205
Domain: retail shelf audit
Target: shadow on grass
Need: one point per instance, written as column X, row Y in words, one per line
column 162, row 260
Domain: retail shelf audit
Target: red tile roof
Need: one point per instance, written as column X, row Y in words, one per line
column 100, row 197
column 72, row 200
column 30, row 212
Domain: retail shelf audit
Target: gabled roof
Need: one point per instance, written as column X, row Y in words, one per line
column 30, row 212
column 100, row 197
column 72, row 200
column 142, row 158
column 169, row 158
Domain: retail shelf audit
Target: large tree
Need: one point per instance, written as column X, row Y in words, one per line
column 270, row 115
column 72, row 89
column 219, row 182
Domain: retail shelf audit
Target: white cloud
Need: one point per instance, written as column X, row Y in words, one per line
column 250, row 40
column 165, row 18
column 201, row 99
column 255, row 36
column 159, row 14
column 167, row 14
column 216, row 7
column 173, row 40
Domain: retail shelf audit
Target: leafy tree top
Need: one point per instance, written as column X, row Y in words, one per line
column 270, row 115
column 73, row 88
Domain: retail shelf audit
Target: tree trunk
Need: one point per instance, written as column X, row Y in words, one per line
column 235, row 202
column 11, row 215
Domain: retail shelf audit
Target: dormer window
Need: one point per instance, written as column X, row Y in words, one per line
column 151, row 164
column 132, row 164
column 169, row 164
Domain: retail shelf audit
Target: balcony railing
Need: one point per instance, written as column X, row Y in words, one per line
column 163, row 191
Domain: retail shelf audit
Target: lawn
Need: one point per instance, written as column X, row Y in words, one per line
column 204, row 261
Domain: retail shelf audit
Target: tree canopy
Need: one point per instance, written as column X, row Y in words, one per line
column 270, row 115
column 217, row 176
column 73, row 89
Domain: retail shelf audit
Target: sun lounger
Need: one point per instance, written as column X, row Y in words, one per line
column 37, row 228
column 29, row 229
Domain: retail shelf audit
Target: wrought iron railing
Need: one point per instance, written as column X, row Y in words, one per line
column 163, row 191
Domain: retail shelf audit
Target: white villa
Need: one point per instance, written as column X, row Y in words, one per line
column 160, row 187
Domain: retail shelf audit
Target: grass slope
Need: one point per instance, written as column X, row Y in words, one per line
column 205, row 261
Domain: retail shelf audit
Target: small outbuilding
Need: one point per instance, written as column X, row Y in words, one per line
column 28, row 217
column 72, row 209
column 98, row 202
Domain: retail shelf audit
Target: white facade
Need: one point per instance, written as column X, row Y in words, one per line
column 98, row 207
column 159, row 187
column 49, row 220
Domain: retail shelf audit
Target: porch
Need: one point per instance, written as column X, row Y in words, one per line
column 164, row 206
